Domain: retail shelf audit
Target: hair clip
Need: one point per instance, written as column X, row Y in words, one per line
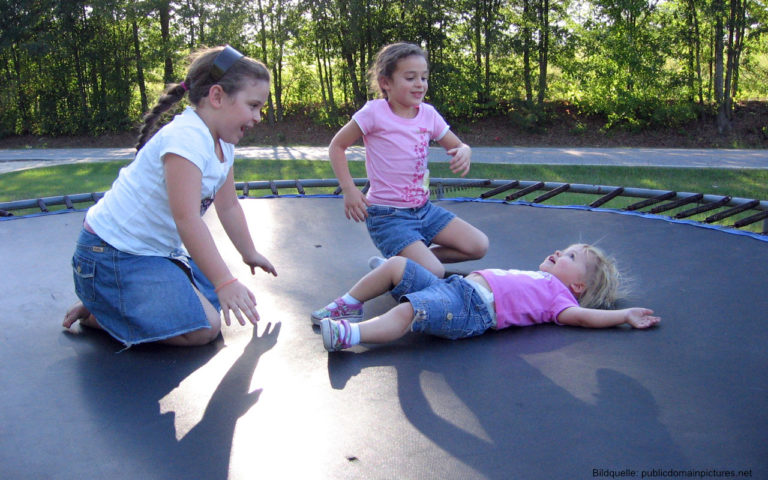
column 224, row 61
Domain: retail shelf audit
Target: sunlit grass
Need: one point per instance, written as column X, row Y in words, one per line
column 97, row 177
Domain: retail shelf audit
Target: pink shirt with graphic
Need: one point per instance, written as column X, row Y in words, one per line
column 524, row 298
column 396, row 151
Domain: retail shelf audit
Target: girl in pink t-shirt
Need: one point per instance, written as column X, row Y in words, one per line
column 571, row 287
column 396, row 130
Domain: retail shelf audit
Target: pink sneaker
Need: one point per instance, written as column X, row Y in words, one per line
column 352, row 312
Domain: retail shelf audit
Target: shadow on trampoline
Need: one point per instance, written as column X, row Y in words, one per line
column 539, row 402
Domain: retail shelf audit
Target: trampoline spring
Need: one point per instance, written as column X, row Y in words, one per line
column 651, row 201
column 437, row 190
column 752, row 219
column 732, row 211
column 41, row 204
column 607, row 197
column 337, row 191
column 273, row 187
column 501, row 189
column 703, row 208
column 677, row 203
column 366, row 187
column 525, row 191
column 554, row 192
column 246, row 189
column 68, row 202
column 299, row 187
column 5, row 213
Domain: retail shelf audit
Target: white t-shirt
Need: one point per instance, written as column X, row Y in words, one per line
column 135, row 216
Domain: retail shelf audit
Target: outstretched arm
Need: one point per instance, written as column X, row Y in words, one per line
column 232, row 218
column 355, row 203
column 593, row 318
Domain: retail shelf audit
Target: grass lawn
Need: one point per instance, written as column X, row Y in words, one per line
column 97, row 177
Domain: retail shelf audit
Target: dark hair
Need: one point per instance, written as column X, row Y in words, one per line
column 386, row 62
column 199, row 81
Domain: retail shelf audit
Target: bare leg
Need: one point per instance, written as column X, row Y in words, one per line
column 79, row 312
column 380, row 280
column 389, row 326
column 459, row 241
column 202, row 336
column 421, row 254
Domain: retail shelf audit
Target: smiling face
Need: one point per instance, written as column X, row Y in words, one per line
column 406, row 88
column 570, row 266
column 241, row 111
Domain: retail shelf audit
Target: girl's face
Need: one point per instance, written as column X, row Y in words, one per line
column 241, row 111
column 569, row 266
column 407, row 86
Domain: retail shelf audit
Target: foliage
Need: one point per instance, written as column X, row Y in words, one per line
column 90, row 67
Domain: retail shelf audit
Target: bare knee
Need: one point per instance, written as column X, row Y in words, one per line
column 195, row 338
column 478, row 246
column 395, row 267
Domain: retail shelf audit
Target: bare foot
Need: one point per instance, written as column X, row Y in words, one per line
column 79, row 312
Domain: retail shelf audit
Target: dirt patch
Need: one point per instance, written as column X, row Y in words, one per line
column 563, row 128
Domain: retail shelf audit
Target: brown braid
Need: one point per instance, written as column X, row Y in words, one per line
column 199, row 83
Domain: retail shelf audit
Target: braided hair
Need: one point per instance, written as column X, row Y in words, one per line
column 198, row 83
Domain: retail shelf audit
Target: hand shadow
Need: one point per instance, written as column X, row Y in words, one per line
column 123, row 392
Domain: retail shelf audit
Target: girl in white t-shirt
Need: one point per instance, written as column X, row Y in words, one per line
column 397, row 130
column 146, row 267
column 571, row 287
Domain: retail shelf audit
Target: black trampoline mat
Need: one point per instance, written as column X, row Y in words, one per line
column 539, row 402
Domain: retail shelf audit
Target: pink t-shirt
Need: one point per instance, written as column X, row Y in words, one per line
column 396, row 151
column 524, row 298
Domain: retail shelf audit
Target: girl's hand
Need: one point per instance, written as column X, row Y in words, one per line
column 462, row 157
column 235, row 297
column 641, row 317
column 258, row 260
column 356, row 205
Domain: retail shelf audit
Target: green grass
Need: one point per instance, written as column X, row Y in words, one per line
column 97, row 177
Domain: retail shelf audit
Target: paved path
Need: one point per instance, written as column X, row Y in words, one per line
column 20, row 159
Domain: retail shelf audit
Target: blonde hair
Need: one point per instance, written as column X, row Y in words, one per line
column 604, row 281
column 198, row 82
column 386, row 63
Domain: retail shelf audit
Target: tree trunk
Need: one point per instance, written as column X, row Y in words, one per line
column 543, row 49
column 139, row 67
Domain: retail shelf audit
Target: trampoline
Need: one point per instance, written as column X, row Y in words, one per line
column 269, row 402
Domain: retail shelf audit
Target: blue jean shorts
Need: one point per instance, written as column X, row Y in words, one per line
column 392, row 229
column 449, row 308
column 139, row 298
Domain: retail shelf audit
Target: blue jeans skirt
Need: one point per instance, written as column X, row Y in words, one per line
column 449, row 308
column 138, row 298
column 392, row 229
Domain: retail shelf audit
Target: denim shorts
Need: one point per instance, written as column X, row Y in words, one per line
column 449, row 308
column 392, row 229
column 138, row 298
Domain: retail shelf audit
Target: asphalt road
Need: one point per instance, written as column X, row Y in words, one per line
column 20, row 159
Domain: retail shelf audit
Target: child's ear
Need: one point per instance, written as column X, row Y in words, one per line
column 384, row 84
column 577, row 288
column 215, row 95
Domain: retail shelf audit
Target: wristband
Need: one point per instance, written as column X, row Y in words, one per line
column 224, row 284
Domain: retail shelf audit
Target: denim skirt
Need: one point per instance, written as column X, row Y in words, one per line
column 138, row 298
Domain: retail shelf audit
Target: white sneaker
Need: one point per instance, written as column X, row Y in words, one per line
column 375, row 262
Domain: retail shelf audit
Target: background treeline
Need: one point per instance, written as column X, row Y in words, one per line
column 89, row 67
